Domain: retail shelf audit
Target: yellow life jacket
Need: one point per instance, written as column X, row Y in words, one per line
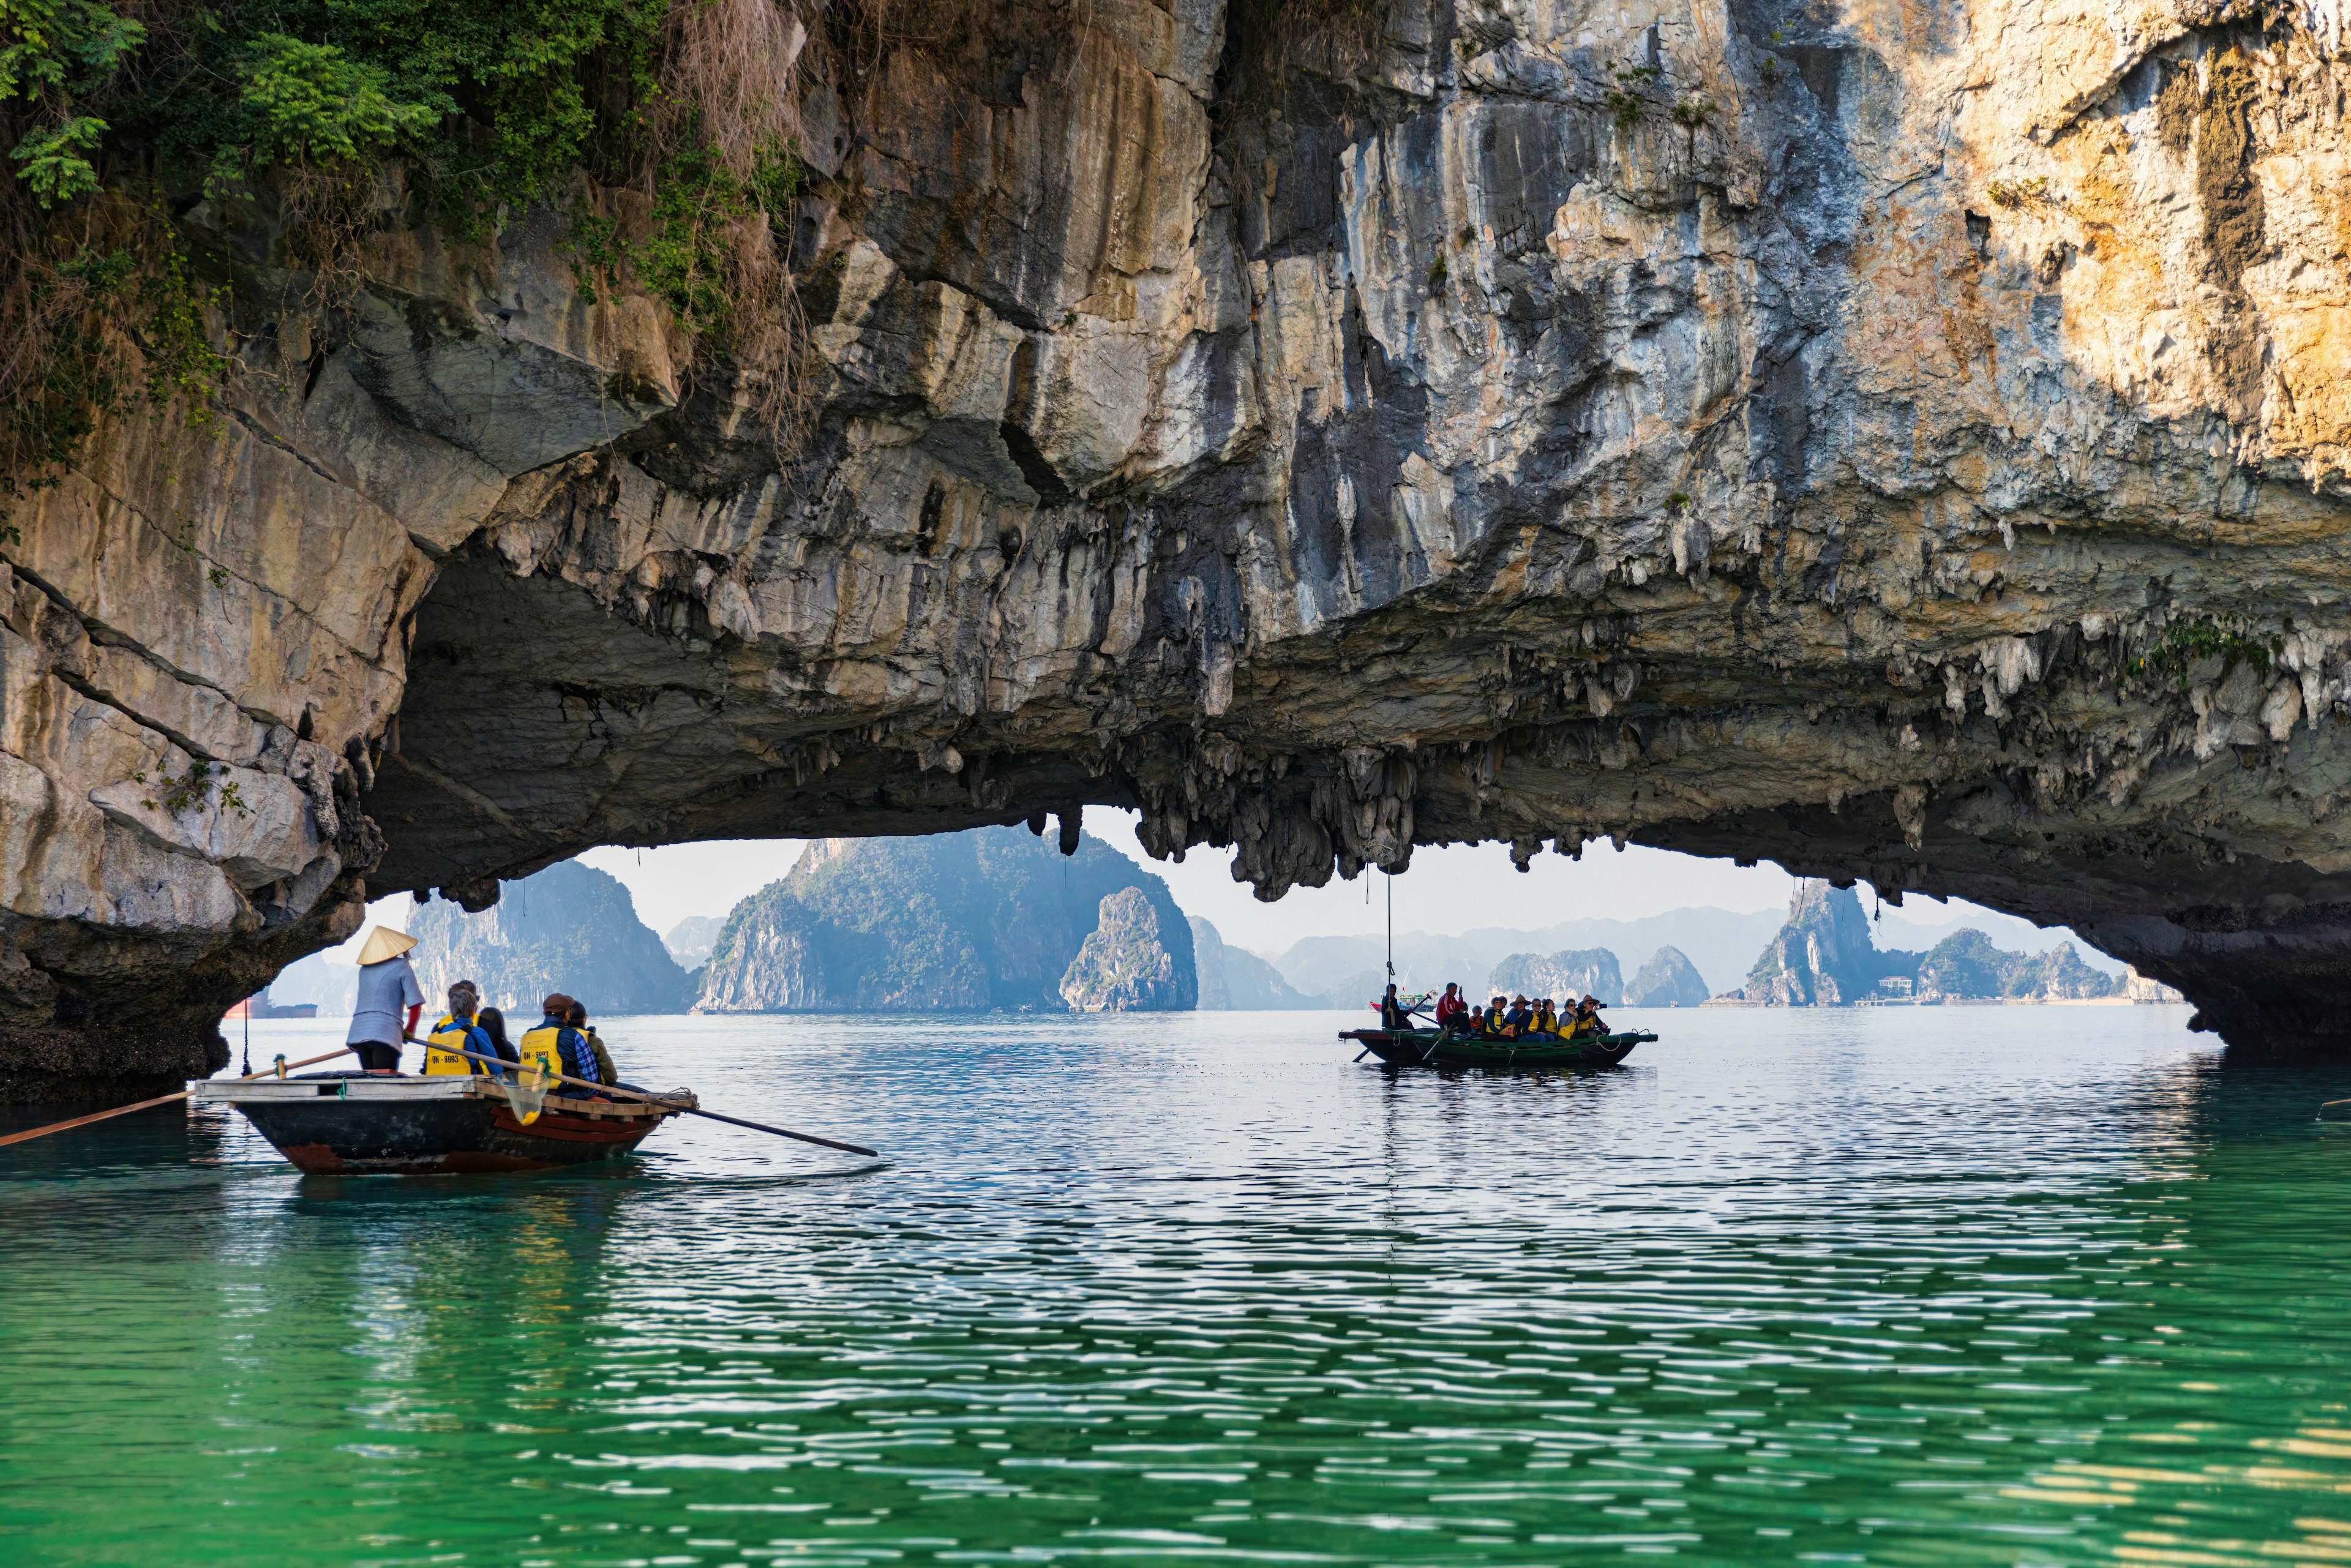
column 451, row 1034
column 543, row 1048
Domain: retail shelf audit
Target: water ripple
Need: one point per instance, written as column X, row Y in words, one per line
column 1967, row 1286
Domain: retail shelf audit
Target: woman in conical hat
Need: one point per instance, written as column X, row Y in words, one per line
column 387, row 984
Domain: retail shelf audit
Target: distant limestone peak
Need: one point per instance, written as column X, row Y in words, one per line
column 989, row 919
column 1825, row 957
column 1667, row 981
column 1822, row 957
column 1577, row 972
column 689, row 940
column 568, row 928
column 1124, row 967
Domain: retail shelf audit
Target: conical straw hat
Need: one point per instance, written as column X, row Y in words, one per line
column 383, row 942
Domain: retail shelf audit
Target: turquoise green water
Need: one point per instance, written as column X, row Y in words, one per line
column 1953, row 1286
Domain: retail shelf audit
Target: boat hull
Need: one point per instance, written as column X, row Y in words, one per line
column 1427, row 1048
column 347, row 1123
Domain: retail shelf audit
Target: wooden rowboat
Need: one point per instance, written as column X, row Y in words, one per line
column 1430, row 1048
column 359, row 1124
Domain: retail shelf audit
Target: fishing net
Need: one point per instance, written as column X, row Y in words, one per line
column 526, row 1090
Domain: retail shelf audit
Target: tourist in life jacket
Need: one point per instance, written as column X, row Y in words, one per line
column 1587, row 1016
column 577, row 1017
column 1452, row 1012
column 460, row 1030
column 556, row 1047
column 387, row 984
column 1546, row 1021
column 1515, row 1022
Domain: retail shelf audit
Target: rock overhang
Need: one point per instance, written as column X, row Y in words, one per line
column 1798, row 460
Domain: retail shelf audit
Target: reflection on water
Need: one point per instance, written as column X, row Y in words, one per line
column 1969, row 1285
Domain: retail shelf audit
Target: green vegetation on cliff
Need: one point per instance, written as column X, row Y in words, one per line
column 1574, row 973
column 993, row 918
column 568, row 928
column 490, row 102
column 1825, row 956
column 1125, row 965
column 336, row 119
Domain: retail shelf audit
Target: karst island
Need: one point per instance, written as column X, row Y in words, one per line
column 1906, row 446
column 952, row 715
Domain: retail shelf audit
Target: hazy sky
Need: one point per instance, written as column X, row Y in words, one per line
column 1448, row 890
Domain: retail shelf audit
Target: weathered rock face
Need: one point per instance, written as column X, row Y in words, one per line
column 1962, row 967
column 1327, row 452
column 2057, row 975
column 2136, row 987
column 1824, row 957
column 1575, row 972
column 1966, row 967
column 954, row 923
column 1126, row 965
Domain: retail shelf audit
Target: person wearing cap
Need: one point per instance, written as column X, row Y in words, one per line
column 577, row 1017
column 556, row 1047
column 387, row 984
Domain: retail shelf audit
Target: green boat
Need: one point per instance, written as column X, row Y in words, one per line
column 1434, row 1048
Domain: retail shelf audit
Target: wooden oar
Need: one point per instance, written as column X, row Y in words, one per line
column 145, row 1104
column 651, row 1098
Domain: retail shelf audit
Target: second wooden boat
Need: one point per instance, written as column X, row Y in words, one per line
column 1430, row 1048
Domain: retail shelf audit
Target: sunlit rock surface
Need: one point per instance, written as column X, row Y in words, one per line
column 1824, row 957
column 1563, row 977
column 1129, row 963
column 954, row 923
column 1327, row 450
